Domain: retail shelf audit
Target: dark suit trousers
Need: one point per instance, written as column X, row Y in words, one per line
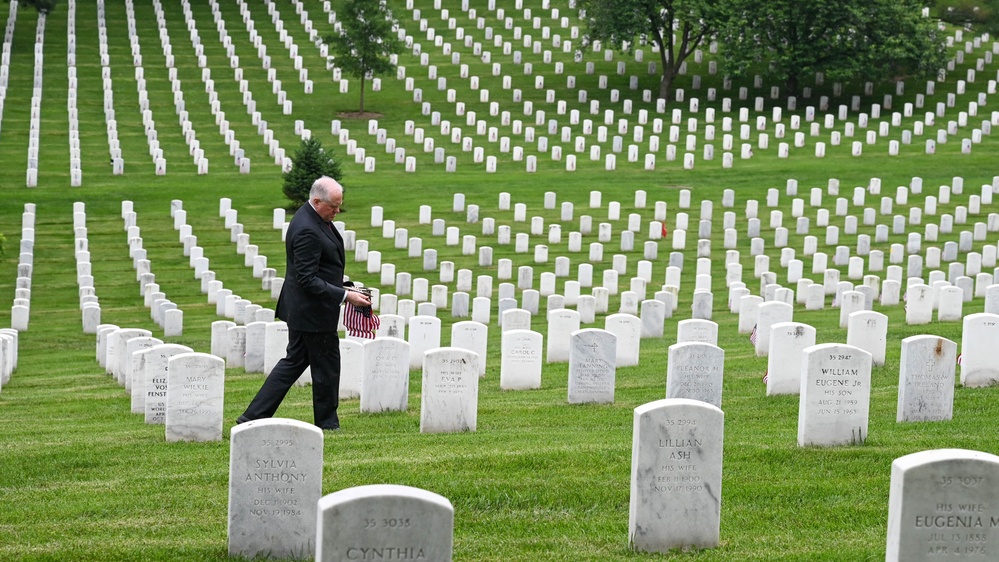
column 321, row 351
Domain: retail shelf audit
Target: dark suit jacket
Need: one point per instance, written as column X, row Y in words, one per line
column 313, row 285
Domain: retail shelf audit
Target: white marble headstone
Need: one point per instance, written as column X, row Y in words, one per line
column 195, row 390
column 835, row 397
column 592, row 360
column 450, row 400
column 676, row 475
column 275, row 483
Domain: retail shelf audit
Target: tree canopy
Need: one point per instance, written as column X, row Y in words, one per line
column 365, row 41
column 616, row 22
column 845, row 39
column 309, row 163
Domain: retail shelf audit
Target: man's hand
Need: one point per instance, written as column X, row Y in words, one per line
column 358, row 299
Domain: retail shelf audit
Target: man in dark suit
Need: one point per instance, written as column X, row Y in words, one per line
column 310, row 303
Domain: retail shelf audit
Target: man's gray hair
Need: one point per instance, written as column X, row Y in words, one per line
column 321, row 188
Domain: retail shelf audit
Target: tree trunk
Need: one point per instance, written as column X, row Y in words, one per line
column 791, row 85
column 362, row 93
column 666, row 85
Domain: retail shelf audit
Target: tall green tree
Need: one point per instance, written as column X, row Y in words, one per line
column 845, row 39
column 365, row 40
column 309, row 163
column 618, row 21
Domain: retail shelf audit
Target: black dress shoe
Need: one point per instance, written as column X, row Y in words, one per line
column 336, row 428
column 242, row 419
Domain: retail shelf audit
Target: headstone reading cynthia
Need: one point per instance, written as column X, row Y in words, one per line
column 275, row 483
column 676, row 475
column 384, row 522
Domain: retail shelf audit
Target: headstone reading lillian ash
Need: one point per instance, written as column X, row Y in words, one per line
column 676, row 475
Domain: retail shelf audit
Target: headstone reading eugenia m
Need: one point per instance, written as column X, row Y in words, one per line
column 275, row 482
column 676, row 475
column 384, row 522
column 943, row 504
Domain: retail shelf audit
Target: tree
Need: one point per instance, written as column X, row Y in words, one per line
column 845, row 39
column 309, row 163
column 618, row 21
column 365, row 40
column 43, row 6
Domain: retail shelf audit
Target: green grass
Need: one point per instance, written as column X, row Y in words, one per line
column 83, row 479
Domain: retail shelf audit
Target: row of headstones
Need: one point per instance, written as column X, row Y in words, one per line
column 633, row 156
column 163, row 311
column 110, row 121
column 276, row 508
column 675, row 502
column 676, row 478
column 167, row 383
column 21, row 307
column 35, row 119
column 751, row 210
column 75, row 162
column 90, row 307
column 252, row 258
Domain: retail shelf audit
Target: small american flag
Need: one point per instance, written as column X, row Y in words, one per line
column 766, row 375
column 958, row 358
column 360, row 322
column 752, row 336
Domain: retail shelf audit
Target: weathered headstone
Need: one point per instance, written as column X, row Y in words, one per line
column 424, row 335
column 275, row 483
column 385, row 382
column 351, row 368
column 697, row 330
column 472, row 336
column 195, row 389
column 770, row 313
column 676, row 475
column 943, row 504
column 926, row 379
column 695, row 370
column 384, row 522
column 592, row 366
column 155, row 367
column 868, row 330
column 561, row 325
column 450, row 400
